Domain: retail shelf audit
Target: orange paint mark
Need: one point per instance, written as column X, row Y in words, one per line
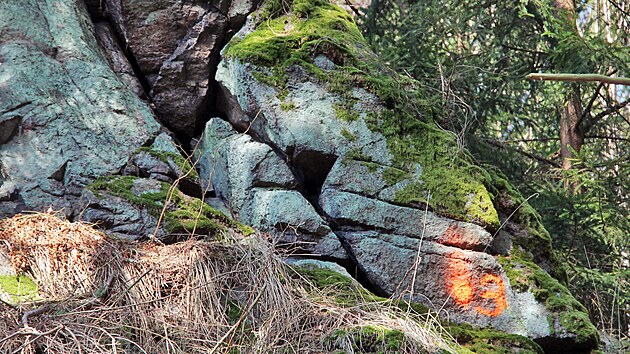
column 496, row 293
column 461, row 289
column 462, row 292
column 453, row 235
column 465, row 289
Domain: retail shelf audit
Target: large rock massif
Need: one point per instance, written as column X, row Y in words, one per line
column 413, row 212
column 318, row 145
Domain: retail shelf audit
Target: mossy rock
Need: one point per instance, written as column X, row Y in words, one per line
column 367, row 339
column 567, row 316
column 346, row 291
column 486, row 340
column 184, row 166
column 349, row 292
column 525, row 223
column 182, row 213
column 295, row 32
column 450, row 181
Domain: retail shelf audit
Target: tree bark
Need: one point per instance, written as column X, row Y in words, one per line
column 571, row 124
column 580, row 78
column 571, row 129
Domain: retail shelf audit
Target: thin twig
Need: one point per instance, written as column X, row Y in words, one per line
column 522, row 152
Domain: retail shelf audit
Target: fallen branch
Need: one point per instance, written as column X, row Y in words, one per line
column 34, row 312
column 580, row 78
column 30, row 332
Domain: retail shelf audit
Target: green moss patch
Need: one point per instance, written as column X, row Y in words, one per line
column 310, row 26
column 368, row 339
column 293, row 33
column 168, row 157
column 348, row 135
column 578, row 323
column 19, row 288
column 392, row 175
column 287, row 106
column 346, row 291
column 526, row 275
column 485, row 340
column 183, row 214
column 345, row 113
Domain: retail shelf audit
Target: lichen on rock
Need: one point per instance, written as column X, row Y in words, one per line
column 76, row 120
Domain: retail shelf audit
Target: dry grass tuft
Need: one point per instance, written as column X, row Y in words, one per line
column 104, row 295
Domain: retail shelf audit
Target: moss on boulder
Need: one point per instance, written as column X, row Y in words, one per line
column 486, row 340
column 368, row 339
column 179, row 212
column 424, row 165
column 182, row 165
column 371, row 339
column 567, row 317
column 295, row 33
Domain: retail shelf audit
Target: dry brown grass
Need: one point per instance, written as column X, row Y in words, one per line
column 234, row 295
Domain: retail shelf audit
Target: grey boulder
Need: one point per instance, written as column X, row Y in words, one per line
column 77, row 119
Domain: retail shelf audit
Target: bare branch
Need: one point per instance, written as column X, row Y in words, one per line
column 503, row 145
column 605, row 137
column 608, row 111
column 530, row 140
column 34, row 312
column 580, row 78
column 587, row 110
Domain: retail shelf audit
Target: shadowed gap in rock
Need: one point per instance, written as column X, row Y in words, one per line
column 311, row 168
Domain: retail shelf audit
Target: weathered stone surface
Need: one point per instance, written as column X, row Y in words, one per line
column 116, row 57
column 120, row 217
column 353, row 210
column 470, row 285
column 133, row 206
column 5, row 265
column 238, row 11
column 182, row 87
column 259, row 189
column 9, row 123
column 234, row 163
column 78, row 120
column 137, row 208
column 153, row 30
column 289, row 216
column 176, row 45
column 303, row 122
column 164, row 162
column 7, row 190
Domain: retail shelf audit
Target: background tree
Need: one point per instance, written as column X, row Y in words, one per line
column 565, row 142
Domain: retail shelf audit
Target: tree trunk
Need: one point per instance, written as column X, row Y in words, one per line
column 571, row 123
column 571, row 129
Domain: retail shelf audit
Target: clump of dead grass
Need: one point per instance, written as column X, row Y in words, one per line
column 104, row 295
